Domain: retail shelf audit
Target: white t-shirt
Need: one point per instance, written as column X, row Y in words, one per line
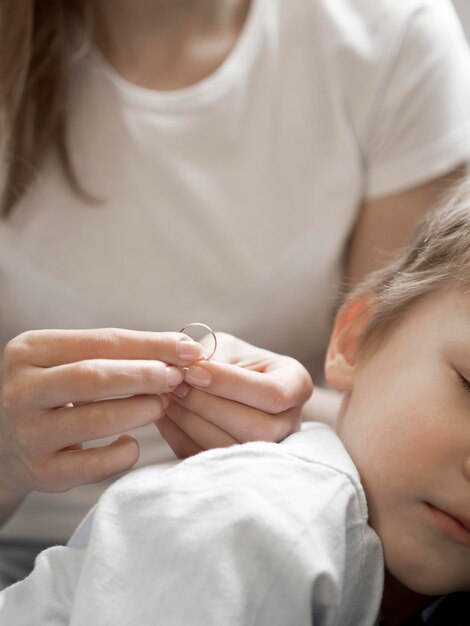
column 230, row 201
column 259, row 534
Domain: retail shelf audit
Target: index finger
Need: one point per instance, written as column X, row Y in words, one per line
column 49, row 348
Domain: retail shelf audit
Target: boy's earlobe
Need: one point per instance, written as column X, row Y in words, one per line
column 343, row 351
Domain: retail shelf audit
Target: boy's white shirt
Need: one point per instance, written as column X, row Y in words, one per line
column 230, row 202
column 262, row 534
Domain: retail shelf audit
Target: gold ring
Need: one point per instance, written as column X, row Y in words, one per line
column 206, row 357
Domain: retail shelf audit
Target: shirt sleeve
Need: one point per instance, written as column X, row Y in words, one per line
column 418, row 124
column 227, row 540
column 46, row 595
column 244, row 536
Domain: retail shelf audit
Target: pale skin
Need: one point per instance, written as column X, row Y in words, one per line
column 53, row 380
column 165, row 45
column 405, row 422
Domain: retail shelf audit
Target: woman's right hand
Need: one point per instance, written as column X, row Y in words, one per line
column 62, row 388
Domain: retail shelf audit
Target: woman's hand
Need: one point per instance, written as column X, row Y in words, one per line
column 244, row 394
column 62, row 388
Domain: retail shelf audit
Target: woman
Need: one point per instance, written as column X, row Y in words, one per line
column 223, row 161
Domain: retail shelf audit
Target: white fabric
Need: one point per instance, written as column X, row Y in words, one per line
column 463, row 10
column 261, row 534
column 230, row 202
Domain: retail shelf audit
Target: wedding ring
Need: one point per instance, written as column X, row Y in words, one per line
column 208, row 356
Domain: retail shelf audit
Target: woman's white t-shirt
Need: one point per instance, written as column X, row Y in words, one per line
column 230, row 201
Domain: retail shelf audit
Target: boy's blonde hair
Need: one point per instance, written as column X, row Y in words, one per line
column 436, row 257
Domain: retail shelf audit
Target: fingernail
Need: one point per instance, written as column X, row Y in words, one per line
column 165, row 400
column 181, row 391
column 198, row 376
column 174, row 376
column 189, row 350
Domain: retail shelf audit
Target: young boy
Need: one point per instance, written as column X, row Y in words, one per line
column 288, row 534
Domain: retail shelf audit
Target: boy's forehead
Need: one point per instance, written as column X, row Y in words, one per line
column 440, row 315
column 445, row 315
column 453, row 302
column 460, row 300
column 459, row 319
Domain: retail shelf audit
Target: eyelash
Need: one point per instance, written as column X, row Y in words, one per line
column 463, row 381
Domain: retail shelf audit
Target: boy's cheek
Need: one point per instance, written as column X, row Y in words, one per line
column 420, row 559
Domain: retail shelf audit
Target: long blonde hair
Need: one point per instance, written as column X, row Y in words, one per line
column 34, row 48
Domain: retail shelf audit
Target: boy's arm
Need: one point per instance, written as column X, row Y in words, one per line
column 245, row 535
column 46, row 595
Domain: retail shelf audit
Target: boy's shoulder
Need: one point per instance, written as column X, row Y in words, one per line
column 303, row 472
column 306, row 484
column 277, row 532
column 310, row 459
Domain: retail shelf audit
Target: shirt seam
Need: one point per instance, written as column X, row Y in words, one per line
column 292, row 549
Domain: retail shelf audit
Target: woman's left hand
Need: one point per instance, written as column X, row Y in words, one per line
column 244, row 394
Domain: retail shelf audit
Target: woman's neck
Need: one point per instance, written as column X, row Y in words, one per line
column 167, row 44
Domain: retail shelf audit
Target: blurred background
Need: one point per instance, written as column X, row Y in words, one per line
column 463, row 8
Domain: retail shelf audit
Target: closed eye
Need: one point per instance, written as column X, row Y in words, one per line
column 463, row 381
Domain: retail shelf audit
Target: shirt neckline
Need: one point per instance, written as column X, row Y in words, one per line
column 199, row 93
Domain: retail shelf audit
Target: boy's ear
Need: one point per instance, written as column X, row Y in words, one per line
column 343, row 351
